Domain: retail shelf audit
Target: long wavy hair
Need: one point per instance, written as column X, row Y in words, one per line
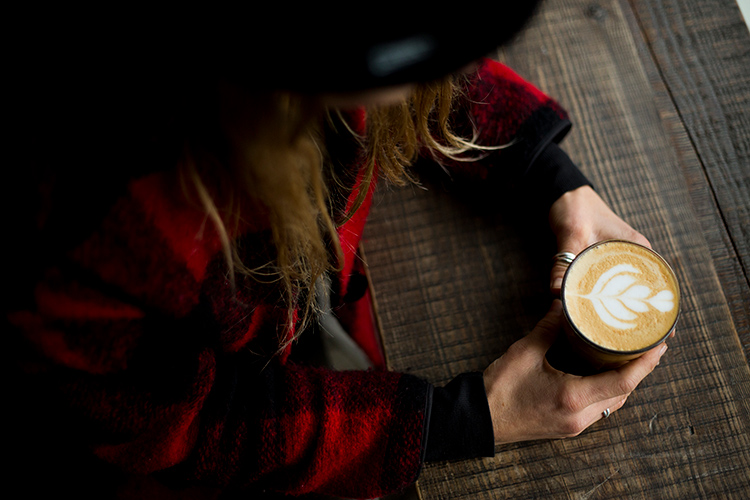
column 279, row 163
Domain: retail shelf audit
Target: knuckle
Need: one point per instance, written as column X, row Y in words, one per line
column 519, row 349
column 570, row 401
column 573, row 427
column 627, row 384
column 578, row 229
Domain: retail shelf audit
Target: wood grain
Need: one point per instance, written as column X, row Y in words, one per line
column 701, row 52
column 456, row 284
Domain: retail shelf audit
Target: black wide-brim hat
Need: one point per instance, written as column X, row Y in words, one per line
column 364, row 48
column 274, row 46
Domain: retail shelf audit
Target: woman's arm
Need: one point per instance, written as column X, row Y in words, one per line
column 135, row 349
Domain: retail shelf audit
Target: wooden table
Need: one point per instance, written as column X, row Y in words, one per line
column 659, row 92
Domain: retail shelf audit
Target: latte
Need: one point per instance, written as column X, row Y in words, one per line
column 621, row 297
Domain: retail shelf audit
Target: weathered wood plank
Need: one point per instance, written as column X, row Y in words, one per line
column 456, row 286
column 702, row 59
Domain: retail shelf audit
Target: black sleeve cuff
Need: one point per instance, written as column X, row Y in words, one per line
column 458, row 423
column 551, row 175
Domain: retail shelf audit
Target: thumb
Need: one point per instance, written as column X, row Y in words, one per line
column 545, row 332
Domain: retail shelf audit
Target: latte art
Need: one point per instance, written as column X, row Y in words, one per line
column 621, row 296
column 618, row 297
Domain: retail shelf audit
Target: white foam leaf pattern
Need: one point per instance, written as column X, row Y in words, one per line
column 618, row 298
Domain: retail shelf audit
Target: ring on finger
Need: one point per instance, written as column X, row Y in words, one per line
column 606, row 413
column 564, row 258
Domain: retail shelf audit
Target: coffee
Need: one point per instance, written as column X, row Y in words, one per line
column 620, row 299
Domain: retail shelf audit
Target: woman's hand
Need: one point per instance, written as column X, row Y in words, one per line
column 530, row 400
column 580, row 218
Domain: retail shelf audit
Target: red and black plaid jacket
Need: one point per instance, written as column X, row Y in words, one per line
column 132, row 353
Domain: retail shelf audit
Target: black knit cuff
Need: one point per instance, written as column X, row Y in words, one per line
column 459, row 423
column 553, row 174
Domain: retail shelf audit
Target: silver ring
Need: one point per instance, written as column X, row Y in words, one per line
column 564, row 257
column 606, row 413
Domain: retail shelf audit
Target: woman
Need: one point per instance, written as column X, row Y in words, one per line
column 188, row 224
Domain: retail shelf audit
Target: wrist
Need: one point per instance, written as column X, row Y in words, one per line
column 553, row 174
column 563, row 214
column 571, row 196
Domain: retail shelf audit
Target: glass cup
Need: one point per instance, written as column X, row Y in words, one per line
column 620, row 299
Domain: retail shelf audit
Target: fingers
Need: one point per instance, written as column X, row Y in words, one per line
column 621, row 381
column 528, row 401
column 639, row 238
column 574, row 423
column 600, row 410
column 597, row 397
column 604, row 410
column 556, row 277
column 568, row 247
column 545, row 332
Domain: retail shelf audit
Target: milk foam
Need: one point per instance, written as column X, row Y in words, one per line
column 621, row 296
column 618, row 297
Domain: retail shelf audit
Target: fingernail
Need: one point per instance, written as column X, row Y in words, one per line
column 663, row 349
column 556, row 283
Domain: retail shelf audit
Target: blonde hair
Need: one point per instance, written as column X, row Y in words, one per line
column 279, row 164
